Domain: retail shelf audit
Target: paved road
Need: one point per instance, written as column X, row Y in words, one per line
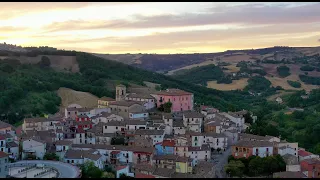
column 222, row 161
column 65, row 170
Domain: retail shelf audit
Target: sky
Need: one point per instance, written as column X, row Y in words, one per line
column 160, row 27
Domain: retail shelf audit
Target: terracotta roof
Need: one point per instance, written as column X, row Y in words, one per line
column 5, row 125
column 80, row 154
column 141, row 96
column 115, row 152
column 183, row 159
column 84, row 109
column 173, row 92
column 2, row 137
column 3, row 154
column 304, row 153
column 107, row 99
column 169, row 143
column 125, row 103
column 204, row 147
column 164, row 172
column 63, row 142
column 215, row 135
column 118, row 168
column 140, row 175
column 312, row 161
column 177, row 123
column 82, row 116
column 144, row 167
column 114, row 147
column 136, row 122
column 245, row 136
column 245, row 143
column 115, row 123
column 149, row 132
column 193, row 114
column 11, row 144
column 288, row 174
column 165, row 157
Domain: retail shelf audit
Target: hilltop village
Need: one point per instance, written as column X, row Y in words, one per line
column 150, row 134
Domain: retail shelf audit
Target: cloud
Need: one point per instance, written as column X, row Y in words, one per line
column 257, row 14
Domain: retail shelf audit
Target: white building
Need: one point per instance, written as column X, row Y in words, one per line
column 178, row 128
column 147, row 99
column 216, row 141
column 136, row 124
column 78, row 157
column 114, row 126
column 156, row 135
column 33, row 147
column 199, row 153
column 193, row 121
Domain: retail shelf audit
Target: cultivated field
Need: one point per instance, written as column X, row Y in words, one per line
column 236, row 84
column 277, row 81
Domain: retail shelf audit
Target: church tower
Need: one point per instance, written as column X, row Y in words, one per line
column 120, row 92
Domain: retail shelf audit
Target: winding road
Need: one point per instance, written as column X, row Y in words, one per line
column 222, row 161
column 65, row 170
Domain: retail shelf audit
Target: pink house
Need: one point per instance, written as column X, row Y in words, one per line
column 181, row 100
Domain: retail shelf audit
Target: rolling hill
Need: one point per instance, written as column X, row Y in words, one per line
column 30, row 89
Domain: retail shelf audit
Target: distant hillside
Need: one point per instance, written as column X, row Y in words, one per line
column 169, row 62
column 31, row 89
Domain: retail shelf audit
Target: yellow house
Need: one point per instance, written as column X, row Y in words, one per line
column 184, row 165
column 104, row 102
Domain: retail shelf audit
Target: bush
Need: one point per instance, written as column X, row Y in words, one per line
column 283, row 71
column 294, row 84
column 307, row 68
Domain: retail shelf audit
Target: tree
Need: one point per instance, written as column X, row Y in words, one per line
column 122, row 175
column 158, row 87
column 117, row 141
column 271, row 165
column 256, row 166
column 248, row 118
column 45, row 62
column 235, row 168
column 108, row 175
column 51, row 156
column 89, row 170
column 167, row 107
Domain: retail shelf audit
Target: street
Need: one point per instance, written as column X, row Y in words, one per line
column 220, row 161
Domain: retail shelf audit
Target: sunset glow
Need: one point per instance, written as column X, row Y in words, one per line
column 159, row 27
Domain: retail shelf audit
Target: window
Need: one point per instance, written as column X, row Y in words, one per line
column 105, row 127
column 69, row 112
column 186, row 98
column 116, row 127
column 174, row 99
column 125, row 110
column 72, row 161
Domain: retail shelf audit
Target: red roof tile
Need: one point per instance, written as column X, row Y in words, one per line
column 2, row 137
column 140, row 175
column 304, row 153
column 115, row 152
column 120, row 167
column 3, row 154
column 169, row 143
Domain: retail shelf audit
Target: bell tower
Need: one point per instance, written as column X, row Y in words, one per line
column 120, row 92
